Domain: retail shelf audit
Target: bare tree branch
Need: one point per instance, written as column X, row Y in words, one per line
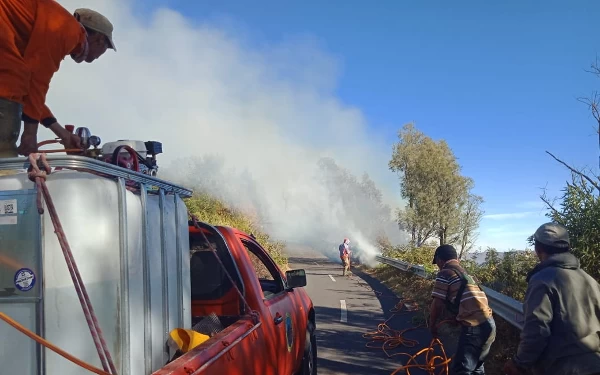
column 550, row 205
column 593, row 103
column 594, row 184
column 595, row 67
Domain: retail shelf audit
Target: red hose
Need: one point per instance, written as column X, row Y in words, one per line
column 40, row 180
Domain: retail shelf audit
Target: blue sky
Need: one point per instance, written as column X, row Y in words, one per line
column 499, row 82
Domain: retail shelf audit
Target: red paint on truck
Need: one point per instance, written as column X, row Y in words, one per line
column 277, row 344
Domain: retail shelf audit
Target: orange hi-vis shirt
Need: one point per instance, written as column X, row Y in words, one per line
column 35, row 36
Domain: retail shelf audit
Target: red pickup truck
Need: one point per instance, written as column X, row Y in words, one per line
column 278, row 338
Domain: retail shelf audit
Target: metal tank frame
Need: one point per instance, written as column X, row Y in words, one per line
column 148, row 185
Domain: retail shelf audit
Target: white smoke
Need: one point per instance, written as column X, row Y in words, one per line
column 247, row 123
column 367, row 250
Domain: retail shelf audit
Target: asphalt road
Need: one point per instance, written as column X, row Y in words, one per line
column 346, row 308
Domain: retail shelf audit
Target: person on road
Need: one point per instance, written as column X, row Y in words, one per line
column 345, row 255
column 35, row 36
column 457, row 292
column 561, row 330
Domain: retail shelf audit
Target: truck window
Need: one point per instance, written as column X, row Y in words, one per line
column 211, row 289
column 266, row 270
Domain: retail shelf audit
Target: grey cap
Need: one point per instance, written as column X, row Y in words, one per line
column 97, row 22
column 552, row 234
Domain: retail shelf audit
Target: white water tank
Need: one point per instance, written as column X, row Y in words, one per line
column 132, row 251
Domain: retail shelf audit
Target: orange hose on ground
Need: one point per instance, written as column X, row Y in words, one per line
column 430, row 360
column 392, row 339
column 42, row 341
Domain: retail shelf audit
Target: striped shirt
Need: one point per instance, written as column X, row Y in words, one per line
column 473, row 309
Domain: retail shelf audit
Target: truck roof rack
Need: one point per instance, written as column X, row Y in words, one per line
column 87, row 164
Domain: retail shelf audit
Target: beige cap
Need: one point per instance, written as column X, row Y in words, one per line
column 97, row 22
column 552, row 234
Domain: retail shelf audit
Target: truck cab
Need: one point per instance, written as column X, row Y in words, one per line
column 237, row 277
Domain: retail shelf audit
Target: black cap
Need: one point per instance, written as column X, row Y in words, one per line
column 445, row 252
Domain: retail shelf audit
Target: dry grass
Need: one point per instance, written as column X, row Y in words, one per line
column 418, row 289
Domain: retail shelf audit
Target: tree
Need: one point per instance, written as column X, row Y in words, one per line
column 468, row 224
column 578, row 209
column 405, row 161
column 436, row 192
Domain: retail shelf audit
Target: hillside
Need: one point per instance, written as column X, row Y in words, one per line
column 215, row 212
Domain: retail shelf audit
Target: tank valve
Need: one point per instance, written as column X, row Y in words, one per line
column 84, row 134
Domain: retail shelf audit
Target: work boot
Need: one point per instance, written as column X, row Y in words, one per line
column 10, row 127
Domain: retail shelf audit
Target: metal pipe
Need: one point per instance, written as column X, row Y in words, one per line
column 147, row 285
column 179, row 262
column 164, row 269
column 124, row 283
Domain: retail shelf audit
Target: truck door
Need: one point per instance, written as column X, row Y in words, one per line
column 282, row 324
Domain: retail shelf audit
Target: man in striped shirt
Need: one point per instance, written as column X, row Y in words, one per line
column 457, row 292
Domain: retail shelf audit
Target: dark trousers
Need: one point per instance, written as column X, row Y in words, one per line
column 10, row 127
column 473, row 347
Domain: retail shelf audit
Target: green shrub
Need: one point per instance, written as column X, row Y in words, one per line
column 215, row 212
column 506, row 275
column 414, row 255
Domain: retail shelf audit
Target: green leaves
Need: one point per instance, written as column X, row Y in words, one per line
column 213, row 211
column 579, row 211
column 439, row 200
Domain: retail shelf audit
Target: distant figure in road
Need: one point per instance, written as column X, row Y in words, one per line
column 561, row 333
column 345, row 255
column 457, row 292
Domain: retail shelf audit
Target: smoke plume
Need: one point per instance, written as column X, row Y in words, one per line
column 260, row 127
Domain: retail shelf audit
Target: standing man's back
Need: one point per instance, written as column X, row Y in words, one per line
column 561, row 334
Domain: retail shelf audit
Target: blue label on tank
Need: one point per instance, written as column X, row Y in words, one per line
column 24, row 279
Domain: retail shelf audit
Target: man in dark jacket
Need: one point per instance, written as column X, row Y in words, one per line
column 562, row 312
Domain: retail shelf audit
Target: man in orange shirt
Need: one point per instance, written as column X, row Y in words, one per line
column 35, row 36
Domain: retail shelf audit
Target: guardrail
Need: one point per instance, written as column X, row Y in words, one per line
column 505, row 307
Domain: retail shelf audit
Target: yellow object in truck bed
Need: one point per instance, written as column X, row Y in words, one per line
column 187, row 339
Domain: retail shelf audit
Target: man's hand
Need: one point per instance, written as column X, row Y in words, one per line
column 28, row 140
column 511, row 368
column 69, row 140
column 435, row 311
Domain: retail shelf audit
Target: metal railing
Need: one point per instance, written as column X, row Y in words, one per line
column 505, row 307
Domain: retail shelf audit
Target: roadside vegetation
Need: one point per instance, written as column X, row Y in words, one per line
column 504, row 274
column 215, row 212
